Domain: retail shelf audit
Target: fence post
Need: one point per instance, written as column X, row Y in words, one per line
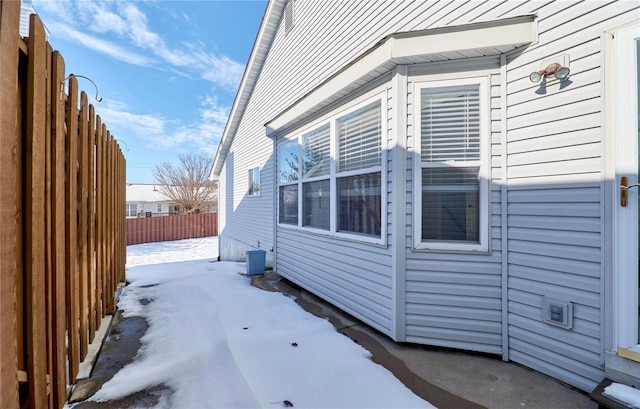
column 72, row 228
column 34, row 217
column 59, row 325
column 9, row 188
column 91, row 242
column 83, row 198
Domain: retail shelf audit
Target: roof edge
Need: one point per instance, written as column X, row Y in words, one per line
column 264, row 39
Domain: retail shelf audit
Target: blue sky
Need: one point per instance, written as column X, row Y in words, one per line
column 167, row 71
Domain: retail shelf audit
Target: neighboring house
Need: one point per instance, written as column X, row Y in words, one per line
column 397, row 160
column 145, row 200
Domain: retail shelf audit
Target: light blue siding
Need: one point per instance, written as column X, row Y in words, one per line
column 546, row 181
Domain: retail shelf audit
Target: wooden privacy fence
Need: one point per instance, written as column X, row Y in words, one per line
column 175, row 227
column 62, row 249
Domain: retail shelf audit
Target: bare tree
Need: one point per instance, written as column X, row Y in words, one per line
column 188, row 184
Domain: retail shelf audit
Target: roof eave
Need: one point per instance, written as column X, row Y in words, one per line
column 264, row 39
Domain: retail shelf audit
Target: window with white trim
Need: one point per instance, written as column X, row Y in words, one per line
column 254, row 181
column 132, row 210
column 316, row 184
column 330, row 177
column 359, row 164
column 452, row 209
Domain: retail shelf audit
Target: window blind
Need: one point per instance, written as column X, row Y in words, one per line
column 450, row 123
column 359, row 138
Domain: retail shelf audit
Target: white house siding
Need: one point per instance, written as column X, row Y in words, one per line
column 247, row 223
column 552, row 166
column 350, row 275
column 555, row 205
column 553, row 171
column 454, row 299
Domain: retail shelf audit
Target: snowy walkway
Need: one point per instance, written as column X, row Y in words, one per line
column 218, row 342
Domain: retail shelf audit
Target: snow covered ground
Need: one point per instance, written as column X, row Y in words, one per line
column 218, row 342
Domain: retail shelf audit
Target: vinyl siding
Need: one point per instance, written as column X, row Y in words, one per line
column 353, row 276
column 552, row 163
column 248, row 219
column 454, row 299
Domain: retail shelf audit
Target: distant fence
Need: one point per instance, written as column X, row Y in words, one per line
column 62, row 248
column 167, row 228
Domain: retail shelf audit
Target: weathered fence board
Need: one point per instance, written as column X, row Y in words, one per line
column 34, row 220
column 167, row 228
column 9, row 186
column 58, row 338
column 62, row 240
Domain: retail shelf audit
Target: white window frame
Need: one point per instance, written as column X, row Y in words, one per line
column 295, row 182
column 128, row 210
column 484, row 174
column 250, row 182
column 334, row 175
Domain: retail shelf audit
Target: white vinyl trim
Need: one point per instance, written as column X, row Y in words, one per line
column 333, row 175
column 626, row 224
column 397, row 48
column 483, row 175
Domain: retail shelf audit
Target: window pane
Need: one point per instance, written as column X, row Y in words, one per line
column 288, row 162
column 315, row 148
column 288, row 204
column 450, row 123
column 359, row 136
column 359, row 204
column 254, row 181
column 316, row 205
column 450, row 204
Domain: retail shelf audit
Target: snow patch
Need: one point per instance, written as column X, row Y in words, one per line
column 623, row 393
column 216, row 341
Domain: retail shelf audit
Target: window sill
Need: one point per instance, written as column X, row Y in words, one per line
column 476, row 248
column 351, row 237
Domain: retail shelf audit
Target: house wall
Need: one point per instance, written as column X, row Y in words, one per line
column 352, row 274
column 546, row 229
column 152, row 207
column 555, row 197
column 454, row 299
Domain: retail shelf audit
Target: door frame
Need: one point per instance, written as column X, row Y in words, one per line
column 625, row 245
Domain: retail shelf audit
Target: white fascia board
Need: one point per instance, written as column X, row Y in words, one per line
column 399, row 47
column 495, row 34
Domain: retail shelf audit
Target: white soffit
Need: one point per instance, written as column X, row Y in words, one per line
column 439, row 44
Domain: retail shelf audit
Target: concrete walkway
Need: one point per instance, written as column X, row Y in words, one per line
column 446, row 378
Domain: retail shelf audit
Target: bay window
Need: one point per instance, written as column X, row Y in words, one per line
column 359, row 151
column 452, row 179
column 316, row 185
column 330, row 177
column 288, row 166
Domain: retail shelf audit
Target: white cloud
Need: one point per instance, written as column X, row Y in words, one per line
column 127, row 22
column 202, row 135
column 99, row 45
column 159, row 133
column 116, row 114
